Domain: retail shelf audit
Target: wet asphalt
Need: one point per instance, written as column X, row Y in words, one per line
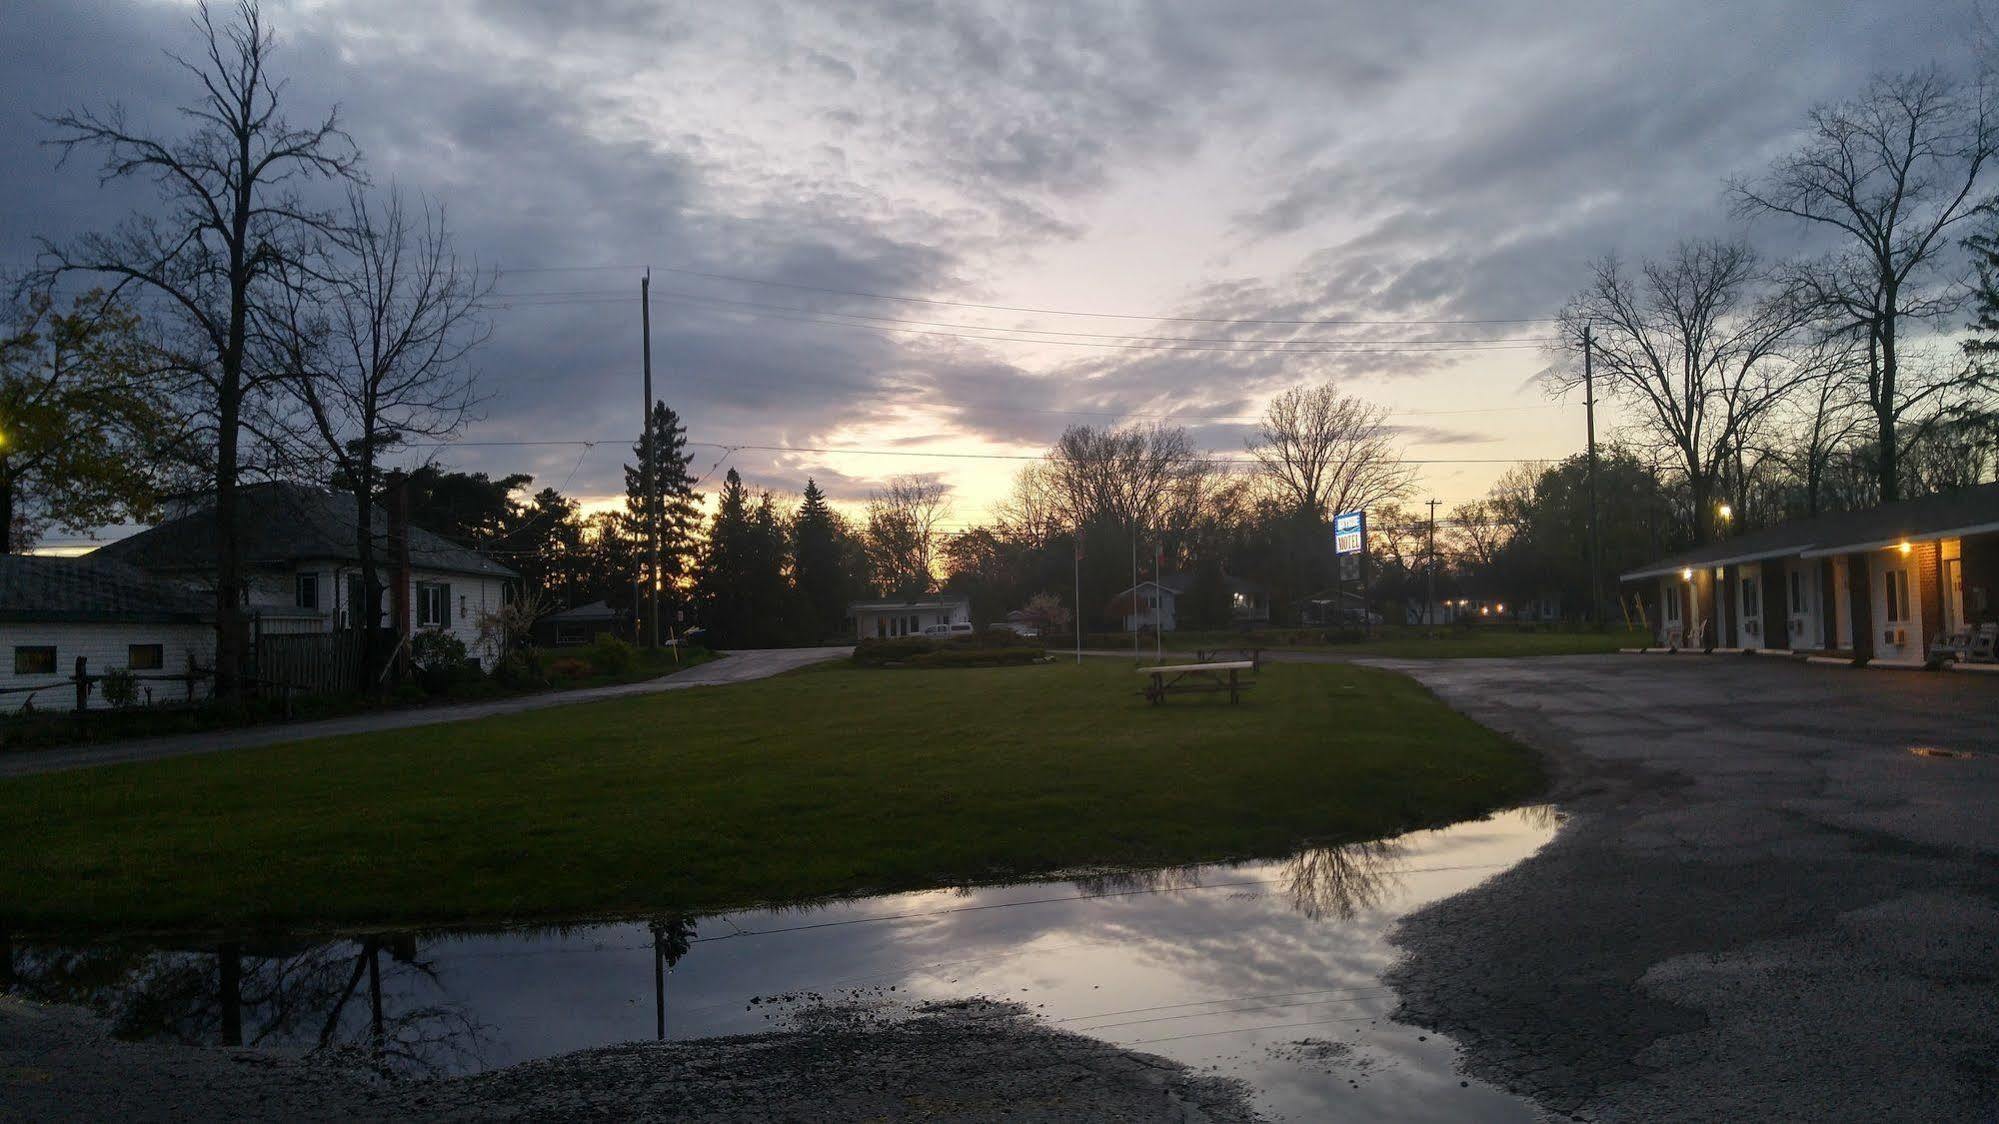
column 1764, row 906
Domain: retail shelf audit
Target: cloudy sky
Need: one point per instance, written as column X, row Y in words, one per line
column 878, row 225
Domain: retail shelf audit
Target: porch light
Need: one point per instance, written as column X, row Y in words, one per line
column 1687, row 574
column 1905, row 548
column 1499, row 609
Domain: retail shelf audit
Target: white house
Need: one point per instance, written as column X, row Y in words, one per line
column 1156, row 604
column 54, row 611
column 303, row 566
column 908, row 617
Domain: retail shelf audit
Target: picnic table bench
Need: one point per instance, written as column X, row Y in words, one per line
column 1193, row 678
column 1242, row 652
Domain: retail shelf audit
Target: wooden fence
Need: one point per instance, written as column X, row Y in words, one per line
column 311, row 663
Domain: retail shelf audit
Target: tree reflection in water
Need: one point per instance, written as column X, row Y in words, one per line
column 1321, row 883
column 254, row 994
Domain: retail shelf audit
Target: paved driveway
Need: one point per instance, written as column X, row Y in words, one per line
column 737, row 667
column 1763, row 906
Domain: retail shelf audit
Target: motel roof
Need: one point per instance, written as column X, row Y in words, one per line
column 1945, row 515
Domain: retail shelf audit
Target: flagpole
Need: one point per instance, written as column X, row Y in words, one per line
column 1079, row 598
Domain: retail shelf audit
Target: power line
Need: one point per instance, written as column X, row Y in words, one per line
column 1257, row 349
column 591, row 295
column 1017, row 308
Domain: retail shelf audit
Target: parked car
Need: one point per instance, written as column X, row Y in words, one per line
column 961, row 628
column 1018, row 628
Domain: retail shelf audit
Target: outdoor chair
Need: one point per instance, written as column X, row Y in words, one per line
column 1953, row 646
column 1985, row 644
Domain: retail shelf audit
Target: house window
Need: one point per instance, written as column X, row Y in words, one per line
column 34, row 659
column 1752, row 599
column 568, row 635
column 1897, row 587
column 1672, row 602
column 1797, row 593
column 433, row 604
column 145, row 657
column 308, row 591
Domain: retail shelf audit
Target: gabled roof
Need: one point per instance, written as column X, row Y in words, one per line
column 91, row 590
column 594, row 611
column 284, row 524
column 1178, row 584
column 1967, row 511
column 927, row 601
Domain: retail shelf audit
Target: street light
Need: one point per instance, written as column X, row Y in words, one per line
column 1726, row 512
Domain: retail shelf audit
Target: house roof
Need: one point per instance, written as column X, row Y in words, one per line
column 1967, row 511
column 91, row 590
column 932, row 601
column 286, row 523
column 1178, row 584
column 594, row 611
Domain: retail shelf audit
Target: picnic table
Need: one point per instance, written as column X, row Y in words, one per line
column 1195, row 678
column 1241, row 652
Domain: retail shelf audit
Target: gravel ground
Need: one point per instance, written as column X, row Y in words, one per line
column 973, row 1060
column 1763, row 906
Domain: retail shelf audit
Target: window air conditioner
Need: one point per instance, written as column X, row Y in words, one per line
column 1895, row 636
column 1753, row 628
column 1797, row 625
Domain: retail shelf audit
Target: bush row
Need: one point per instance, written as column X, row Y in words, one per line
column 991, row 648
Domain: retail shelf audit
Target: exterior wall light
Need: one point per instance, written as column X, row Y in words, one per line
column 1725, row 511
column 1905, row 548
column 1687, row 574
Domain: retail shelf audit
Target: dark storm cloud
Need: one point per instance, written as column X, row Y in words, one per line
column 1447, row 161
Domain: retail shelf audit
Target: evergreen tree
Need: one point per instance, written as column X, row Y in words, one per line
column 726, row 597
column 817, row 565
column 678, row 505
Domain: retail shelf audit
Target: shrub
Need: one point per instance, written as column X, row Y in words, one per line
column 568, row 667
column 121, row 687
column 609, row 655
column 518, row 669
column 1346, row 634
column 978, row 657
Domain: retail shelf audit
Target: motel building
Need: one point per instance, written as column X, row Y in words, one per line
column 1908, row 584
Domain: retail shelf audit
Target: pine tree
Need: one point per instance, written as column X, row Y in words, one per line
column 724, row 591
column 678, row 504
column 817, row 564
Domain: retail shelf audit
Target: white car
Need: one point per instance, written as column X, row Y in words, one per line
column 962, row 628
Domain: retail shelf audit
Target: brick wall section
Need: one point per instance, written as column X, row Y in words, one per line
column 103, row 646
column 1860, row 592
column 1927, row 574
column 1776, row 605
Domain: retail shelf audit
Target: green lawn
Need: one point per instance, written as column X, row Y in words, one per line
column 830, row 781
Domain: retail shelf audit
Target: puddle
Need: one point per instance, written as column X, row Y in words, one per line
column 1269, row 972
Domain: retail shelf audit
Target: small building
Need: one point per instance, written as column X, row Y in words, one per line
column 908, row 616
column 1880, row 585
column 302, row 566
column 54, row 611
column 581, row 625
column 1155, row 604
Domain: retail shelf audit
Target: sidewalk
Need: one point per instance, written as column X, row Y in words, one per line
column 737, row 667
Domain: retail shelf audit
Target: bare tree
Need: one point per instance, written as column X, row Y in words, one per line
column 1891, row 174
column 232, row 217
column 904, row 533
column 1826, row 415
column 374, row 346
column 1324, row 452
column 1695, row 349
column 1117, row 477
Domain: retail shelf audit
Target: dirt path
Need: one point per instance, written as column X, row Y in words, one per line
column 737, row 667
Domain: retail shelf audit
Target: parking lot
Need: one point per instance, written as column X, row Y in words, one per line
column 1777, row 897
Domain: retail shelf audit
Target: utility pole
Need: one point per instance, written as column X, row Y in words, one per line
column 1134, row 590
column 1589, row 412
column 650, row 481
column 1430, row 590
column 1079, row 597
